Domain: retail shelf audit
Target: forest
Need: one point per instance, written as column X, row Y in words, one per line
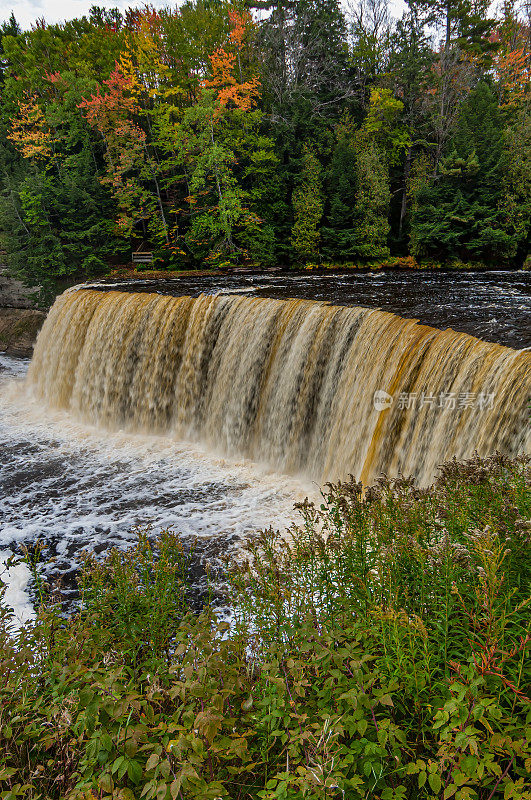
column 290, row 133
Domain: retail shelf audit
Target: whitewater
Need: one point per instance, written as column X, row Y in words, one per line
column 212, row 415
column 71, row 486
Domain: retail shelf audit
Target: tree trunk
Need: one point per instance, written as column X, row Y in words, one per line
column 403, row 207
column 159, row 198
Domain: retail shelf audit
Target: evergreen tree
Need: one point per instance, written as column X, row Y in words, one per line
column 515, row 203
column 191, row 124
column 372, row 200
column 464, row 23
column 339, row 232
column 305, row 54
column 370, row 30
column 321, row 65
column 457, row 216
column 9, row 28
column 356, row 225
column 307, row 209
column 411, row 62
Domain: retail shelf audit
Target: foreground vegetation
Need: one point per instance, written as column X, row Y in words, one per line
column 381, row 652
column 266, row 133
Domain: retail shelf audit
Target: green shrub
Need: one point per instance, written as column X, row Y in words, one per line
column 381, row 651
column 138, row 596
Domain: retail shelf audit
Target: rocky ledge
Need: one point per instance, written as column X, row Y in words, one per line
column 18, row 330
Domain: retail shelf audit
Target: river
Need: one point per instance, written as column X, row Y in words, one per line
column 70, row 482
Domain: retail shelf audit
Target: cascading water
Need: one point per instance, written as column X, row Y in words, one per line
column 290, row 383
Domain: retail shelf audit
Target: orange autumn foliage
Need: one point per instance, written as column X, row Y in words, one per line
column 229, row 89
column 513, row 73
column 111, row 114
column 104, row 110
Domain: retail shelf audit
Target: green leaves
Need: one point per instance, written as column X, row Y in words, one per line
column 434, row 780
column 331, row 690
column 458, row 212
column 382, row 123
column 198, row 154
column 307, row 209
column 124, row 765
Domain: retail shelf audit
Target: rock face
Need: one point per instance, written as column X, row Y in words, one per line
column 18, row 330
column 20, row 321
column 13, row 293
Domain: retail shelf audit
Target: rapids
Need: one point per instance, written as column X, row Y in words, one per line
column 71, row 487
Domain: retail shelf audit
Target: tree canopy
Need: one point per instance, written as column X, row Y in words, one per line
column 278, row 132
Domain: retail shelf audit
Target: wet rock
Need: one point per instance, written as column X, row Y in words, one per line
column 18, row 330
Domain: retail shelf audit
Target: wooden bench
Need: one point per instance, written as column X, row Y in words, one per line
column 142, row 258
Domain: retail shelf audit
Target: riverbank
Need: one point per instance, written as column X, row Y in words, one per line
column 20, row 319
column 383, row 651
column 408, row 264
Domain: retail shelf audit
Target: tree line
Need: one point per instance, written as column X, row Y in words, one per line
column 277, row 132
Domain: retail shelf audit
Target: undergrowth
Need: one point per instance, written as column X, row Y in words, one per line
column 381, row 650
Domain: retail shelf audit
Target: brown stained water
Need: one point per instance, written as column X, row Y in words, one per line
column 212, row 406
column 290, row 383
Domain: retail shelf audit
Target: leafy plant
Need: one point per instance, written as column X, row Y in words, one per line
column 379, row 650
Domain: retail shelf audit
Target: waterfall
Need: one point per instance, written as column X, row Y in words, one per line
column 290, row 383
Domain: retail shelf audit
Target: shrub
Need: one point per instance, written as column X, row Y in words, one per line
column 380, row 651
column 138, row 596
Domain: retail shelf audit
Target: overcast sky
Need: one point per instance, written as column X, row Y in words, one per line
column 28, row 11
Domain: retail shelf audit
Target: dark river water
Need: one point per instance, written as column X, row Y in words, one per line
column 495, row 306
column 71, row 486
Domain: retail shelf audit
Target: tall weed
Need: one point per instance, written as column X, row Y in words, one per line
column 381, row 650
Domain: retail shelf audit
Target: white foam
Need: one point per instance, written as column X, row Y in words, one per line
column 74, row 486
column 13, row 367
column 16, row 578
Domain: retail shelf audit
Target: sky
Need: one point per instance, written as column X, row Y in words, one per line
column 28, row 11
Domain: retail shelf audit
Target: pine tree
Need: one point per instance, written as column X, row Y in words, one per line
column 457, row 215
column 9, row 28
column 515, row 202
column 410, row 65
column 372, row 200
column 305, row 54
column 307, row 209
column 356, row 225
column 339, row 232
